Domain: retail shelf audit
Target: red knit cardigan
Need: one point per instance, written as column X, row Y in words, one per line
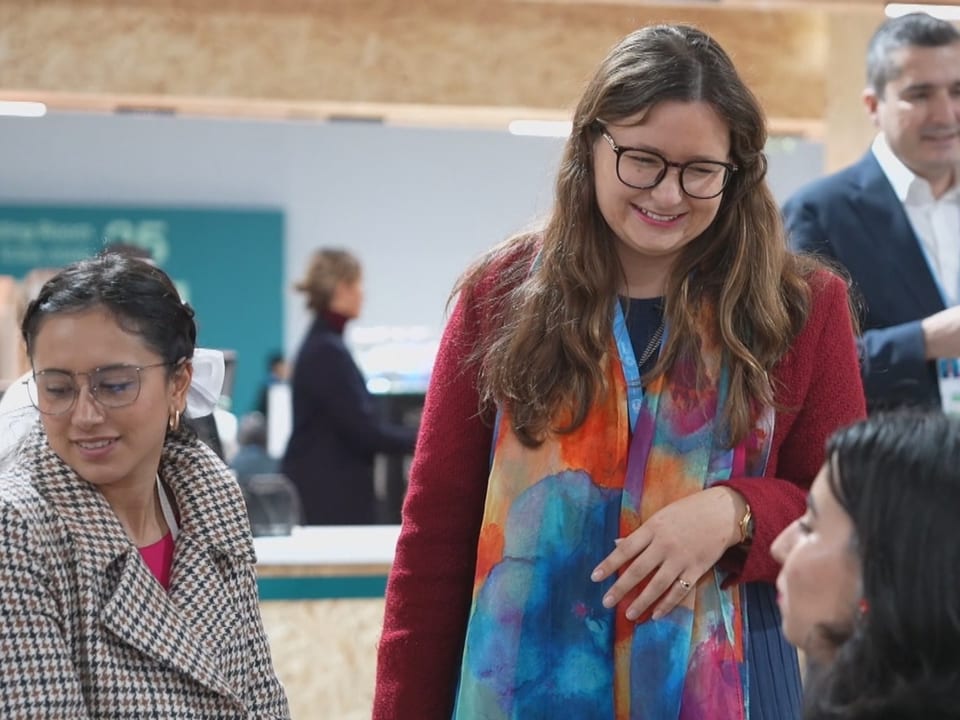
column 818, row 389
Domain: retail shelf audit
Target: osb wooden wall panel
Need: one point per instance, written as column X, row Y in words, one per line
column 490, row 53
column 325, row 653
column 849, row 128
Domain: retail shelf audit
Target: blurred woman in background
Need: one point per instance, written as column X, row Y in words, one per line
column 336, row 427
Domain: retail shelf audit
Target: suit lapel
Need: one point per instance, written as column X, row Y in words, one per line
column 892, row 237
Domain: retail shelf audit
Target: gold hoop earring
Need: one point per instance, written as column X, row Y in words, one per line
column 174, row 422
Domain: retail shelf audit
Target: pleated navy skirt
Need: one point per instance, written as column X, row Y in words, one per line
column 773, row 670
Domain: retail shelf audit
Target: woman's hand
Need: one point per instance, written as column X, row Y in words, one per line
column 675, row 547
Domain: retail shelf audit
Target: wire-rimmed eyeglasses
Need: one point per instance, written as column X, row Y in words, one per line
column 645, row 169
column 55, row 392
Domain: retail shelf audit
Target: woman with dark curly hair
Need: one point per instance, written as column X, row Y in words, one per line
column 870, row 585
column 126, row 561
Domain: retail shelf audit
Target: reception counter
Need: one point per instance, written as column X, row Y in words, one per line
column 321, row 592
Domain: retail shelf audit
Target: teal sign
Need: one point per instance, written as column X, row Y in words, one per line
column 228, row 264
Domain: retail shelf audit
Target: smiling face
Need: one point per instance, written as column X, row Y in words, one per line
column 653, row 226
column 819, row 583
column 111, row 448
column 919, row 111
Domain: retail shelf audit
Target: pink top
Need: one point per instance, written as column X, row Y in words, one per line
column 159, row 558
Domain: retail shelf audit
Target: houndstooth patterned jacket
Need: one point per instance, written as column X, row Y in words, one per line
column 85, row 629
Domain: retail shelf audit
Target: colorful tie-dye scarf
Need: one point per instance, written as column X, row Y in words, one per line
column 539, row 643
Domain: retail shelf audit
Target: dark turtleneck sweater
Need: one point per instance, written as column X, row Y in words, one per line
column 643, row 316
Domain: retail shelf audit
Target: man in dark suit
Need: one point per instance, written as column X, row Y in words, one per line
column 892, row 220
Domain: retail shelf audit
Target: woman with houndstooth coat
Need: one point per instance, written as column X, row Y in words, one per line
column 126, row 561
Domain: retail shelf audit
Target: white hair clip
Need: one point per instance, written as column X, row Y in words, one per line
column 206, row 384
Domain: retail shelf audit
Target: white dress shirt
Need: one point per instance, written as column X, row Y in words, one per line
column 936, row 221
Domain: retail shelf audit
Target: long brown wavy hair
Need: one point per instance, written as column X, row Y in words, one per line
column 545, row 359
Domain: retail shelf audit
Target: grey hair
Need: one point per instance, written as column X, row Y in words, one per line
column 912, row 30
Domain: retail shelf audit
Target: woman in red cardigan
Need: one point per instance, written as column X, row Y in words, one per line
column 626, row 408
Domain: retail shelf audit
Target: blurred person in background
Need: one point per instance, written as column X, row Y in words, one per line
column 870, row 585
column 892, row 219
column 251, row 457
column 273, row 503
column 336, row 428
column 277, row 372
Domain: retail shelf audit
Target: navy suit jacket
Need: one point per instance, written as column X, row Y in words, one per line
column 855, row 219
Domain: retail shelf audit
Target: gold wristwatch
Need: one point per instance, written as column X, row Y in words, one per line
column 746, row 527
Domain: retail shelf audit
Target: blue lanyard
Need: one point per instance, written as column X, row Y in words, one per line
column 628, row 361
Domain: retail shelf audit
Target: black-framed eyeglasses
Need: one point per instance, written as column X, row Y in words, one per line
column 55, row 392
column 645, row 169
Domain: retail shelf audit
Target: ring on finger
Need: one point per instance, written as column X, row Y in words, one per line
column 684, row 584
